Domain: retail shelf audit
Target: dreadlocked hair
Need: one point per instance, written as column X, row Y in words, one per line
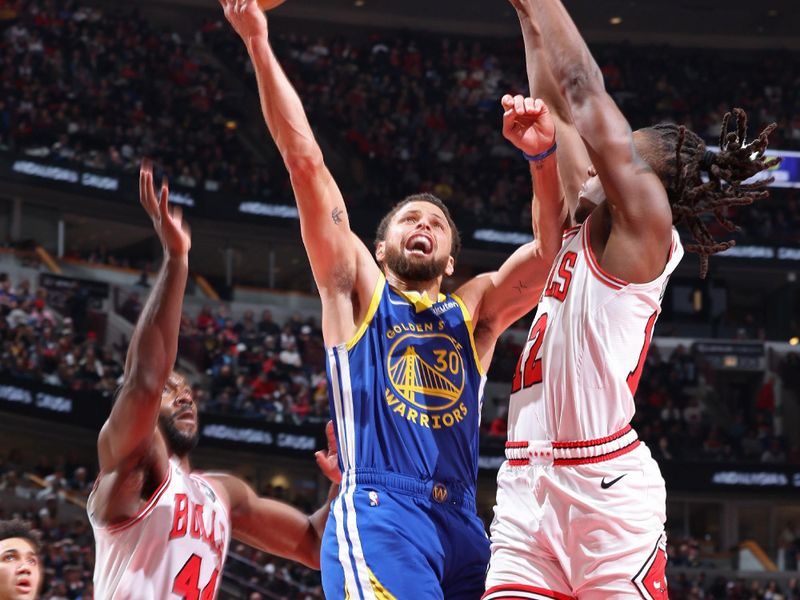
column 686, row 158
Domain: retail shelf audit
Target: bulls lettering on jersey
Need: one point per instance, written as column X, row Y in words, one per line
column 586, row 348
column 173, row 549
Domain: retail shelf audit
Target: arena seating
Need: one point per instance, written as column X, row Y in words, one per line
column 435, row 100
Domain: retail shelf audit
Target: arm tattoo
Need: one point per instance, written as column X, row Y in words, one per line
column 520, row 287
column 336, row 215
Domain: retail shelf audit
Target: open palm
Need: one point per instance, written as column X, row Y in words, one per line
column 169, row 224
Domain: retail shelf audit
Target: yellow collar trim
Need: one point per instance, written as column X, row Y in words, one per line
column 421, row 301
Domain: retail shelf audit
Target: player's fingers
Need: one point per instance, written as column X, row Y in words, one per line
column 163, row 201
column 507, row 102
column 519, row 104
column 529, row 106
column 146, row 192
column 329, row 433
column 177, row 216
column 186, row 229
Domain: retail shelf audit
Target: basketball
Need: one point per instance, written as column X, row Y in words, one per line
column 269, row 4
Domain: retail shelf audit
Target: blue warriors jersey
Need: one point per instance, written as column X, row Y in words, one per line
column 406, row 391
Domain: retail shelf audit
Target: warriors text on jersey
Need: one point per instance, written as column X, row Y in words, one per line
column 586, row 349
column 406, row 391
column 173, row 549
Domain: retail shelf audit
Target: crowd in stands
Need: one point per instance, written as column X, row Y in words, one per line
column 38, row 343
column 97, row 88
column 684, row 412
column 103, row 87
column 254, row 367
column 257, row 368
column 421, row 111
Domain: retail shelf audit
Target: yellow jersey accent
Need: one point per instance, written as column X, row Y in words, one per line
column 373, row 307
column 468, row 321
column 381, row 593
column 420, row 301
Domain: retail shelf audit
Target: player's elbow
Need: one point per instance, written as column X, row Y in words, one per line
column 304, row 163
column 580, row 82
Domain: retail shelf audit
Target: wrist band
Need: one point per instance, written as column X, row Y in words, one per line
column 542, row 156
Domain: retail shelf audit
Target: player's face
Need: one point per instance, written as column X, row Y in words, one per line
column 20, row 570
column 590, row 195
column 418, row 243
column 178, row 416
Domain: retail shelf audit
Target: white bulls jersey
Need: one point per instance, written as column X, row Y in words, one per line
column 586, row 349
column 173, row 549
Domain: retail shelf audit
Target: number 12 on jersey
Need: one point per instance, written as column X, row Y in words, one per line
column 530, row 373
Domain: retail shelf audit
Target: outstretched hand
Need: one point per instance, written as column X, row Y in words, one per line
column 169, row 224
column 527, row 124
column 246, row 18
column 328, row 460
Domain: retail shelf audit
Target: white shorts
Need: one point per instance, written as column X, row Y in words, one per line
column 591, row 531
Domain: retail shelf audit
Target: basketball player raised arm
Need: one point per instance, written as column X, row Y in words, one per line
column 134, row 451
column 639, row 217
column 343, row 267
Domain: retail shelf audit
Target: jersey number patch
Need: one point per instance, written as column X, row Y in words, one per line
column 187, row 581
column 531, row 372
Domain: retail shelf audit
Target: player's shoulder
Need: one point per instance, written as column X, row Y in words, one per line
column 231, row 488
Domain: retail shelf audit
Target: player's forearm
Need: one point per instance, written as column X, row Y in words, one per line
column 549, row 211
column 154, row 343
column 281, row 106
column 573, row 67
column 320, row 517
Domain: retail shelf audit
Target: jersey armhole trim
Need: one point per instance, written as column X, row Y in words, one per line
column 468, row 323
column 145, row 510
column 373, row 308
column 606, row 278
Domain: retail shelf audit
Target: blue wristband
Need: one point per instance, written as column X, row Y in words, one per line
column 542, row 156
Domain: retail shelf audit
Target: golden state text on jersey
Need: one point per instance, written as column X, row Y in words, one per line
column 406, row 391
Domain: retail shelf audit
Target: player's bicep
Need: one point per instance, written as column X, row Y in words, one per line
column 272, row 526
column 504, row 296
column 333, row 249
column 130, row 427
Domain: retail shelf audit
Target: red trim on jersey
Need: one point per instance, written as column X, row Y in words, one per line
column 562, row 462
column 517, row 462
column 507, row 592
column 570, row 232
column 604, row 277
column 634, row 376
column 516, row 444
column 146, row 509
column 597, row 442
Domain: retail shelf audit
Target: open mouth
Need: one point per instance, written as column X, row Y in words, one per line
column 419, row 244
column 24, row 586
column 186, row 417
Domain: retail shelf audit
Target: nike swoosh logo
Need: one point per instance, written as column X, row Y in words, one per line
column 607, row 484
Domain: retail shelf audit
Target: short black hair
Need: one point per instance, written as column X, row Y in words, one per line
column 15, row 528
column 455, row 237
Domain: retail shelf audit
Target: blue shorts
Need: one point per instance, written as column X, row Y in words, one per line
column 391, row 537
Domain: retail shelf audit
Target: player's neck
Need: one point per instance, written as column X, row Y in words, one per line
column 183, row 462
column 432, row 287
